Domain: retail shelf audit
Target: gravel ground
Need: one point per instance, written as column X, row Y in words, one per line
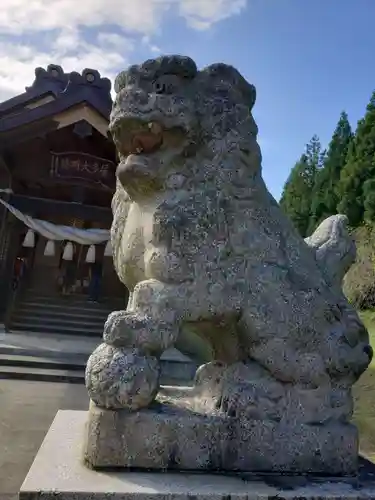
column 26, row 413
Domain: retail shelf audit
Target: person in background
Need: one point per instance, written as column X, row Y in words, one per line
column 19, row 271
column 96, row 270
column 68, row 277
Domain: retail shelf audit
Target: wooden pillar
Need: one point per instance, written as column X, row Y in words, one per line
column 9, row 245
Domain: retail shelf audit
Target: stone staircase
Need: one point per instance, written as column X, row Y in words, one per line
column 41, row 369
column 67, row 315
column 51, row 337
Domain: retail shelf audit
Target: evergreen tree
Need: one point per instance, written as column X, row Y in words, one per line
column 325, row 196
column 369, row 199
column 315, row 155
column 358, row 176
column 297, row 193
column 295, row 197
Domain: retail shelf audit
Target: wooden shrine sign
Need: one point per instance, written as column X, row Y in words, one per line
column 83, row 167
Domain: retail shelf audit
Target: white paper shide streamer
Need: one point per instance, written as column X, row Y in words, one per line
column 53, row 232
column 68, row 252
column 50, row 249
column 90, row 257
column 108, row 249
column 29, row 241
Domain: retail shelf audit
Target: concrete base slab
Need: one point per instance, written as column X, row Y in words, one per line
column 58, row 472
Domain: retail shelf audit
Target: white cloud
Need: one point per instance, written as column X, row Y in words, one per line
column 18, row 16
column 18, row 61
column 115, row 41
column 67, row 39
column 155, row 49
column 202, row 14
column 146, row 40
column 39, row 32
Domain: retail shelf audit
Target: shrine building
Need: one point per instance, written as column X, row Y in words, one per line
column 57, row 178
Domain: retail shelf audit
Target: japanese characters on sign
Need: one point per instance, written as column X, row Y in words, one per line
column 83, row 167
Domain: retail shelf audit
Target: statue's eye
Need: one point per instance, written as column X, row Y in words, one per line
column 160, row 87
column 166, row 84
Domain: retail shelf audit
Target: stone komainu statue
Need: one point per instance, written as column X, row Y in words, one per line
column 205, row 250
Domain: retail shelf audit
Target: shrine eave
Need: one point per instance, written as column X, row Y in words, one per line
column 26, row 132
column 54, row 107
column 19, row 101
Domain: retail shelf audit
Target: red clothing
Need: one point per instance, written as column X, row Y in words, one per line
column 18, row 265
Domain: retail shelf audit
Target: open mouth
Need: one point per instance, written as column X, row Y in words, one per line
column 137, row 137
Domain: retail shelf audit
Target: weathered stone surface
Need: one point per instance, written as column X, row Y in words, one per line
column 335, row 250
column 206, row 250
column 121, row 332
column 183, row 436
column 58, row 472
column 121, row 378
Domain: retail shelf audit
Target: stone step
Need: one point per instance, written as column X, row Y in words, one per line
column 75, row 348
column 73, row 299
column 27, row 326
column 13, row 356
column 178, row 370
column 60, row 363
column 60, row 374
column 53, row 356
column 72, row 315
column 42, row 374
column 59, row 320
column 61, row 311
column 78, row 306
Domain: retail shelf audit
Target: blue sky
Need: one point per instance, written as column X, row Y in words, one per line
column 309, row 59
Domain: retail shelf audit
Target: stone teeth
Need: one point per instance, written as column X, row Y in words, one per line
column 154, row 128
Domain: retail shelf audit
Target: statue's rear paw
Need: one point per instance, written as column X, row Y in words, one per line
column 122, row 378
column 249, row 391
column 249, row 401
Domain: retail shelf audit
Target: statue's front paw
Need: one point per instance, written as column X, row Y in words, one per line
column 121, row 378
column 136, row 331
column 167, row 267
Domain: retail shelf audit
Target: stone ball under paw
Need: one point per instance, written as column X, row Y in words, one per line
column 121, row 378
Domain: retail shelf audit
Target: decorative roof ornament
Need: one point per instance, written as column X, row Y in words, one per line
column 68, row 89
column 90, row 78
column 53, row 79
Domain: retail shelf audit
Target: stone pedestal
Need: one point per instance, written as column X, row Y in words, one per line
column 58, row 472
column 177, row 433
